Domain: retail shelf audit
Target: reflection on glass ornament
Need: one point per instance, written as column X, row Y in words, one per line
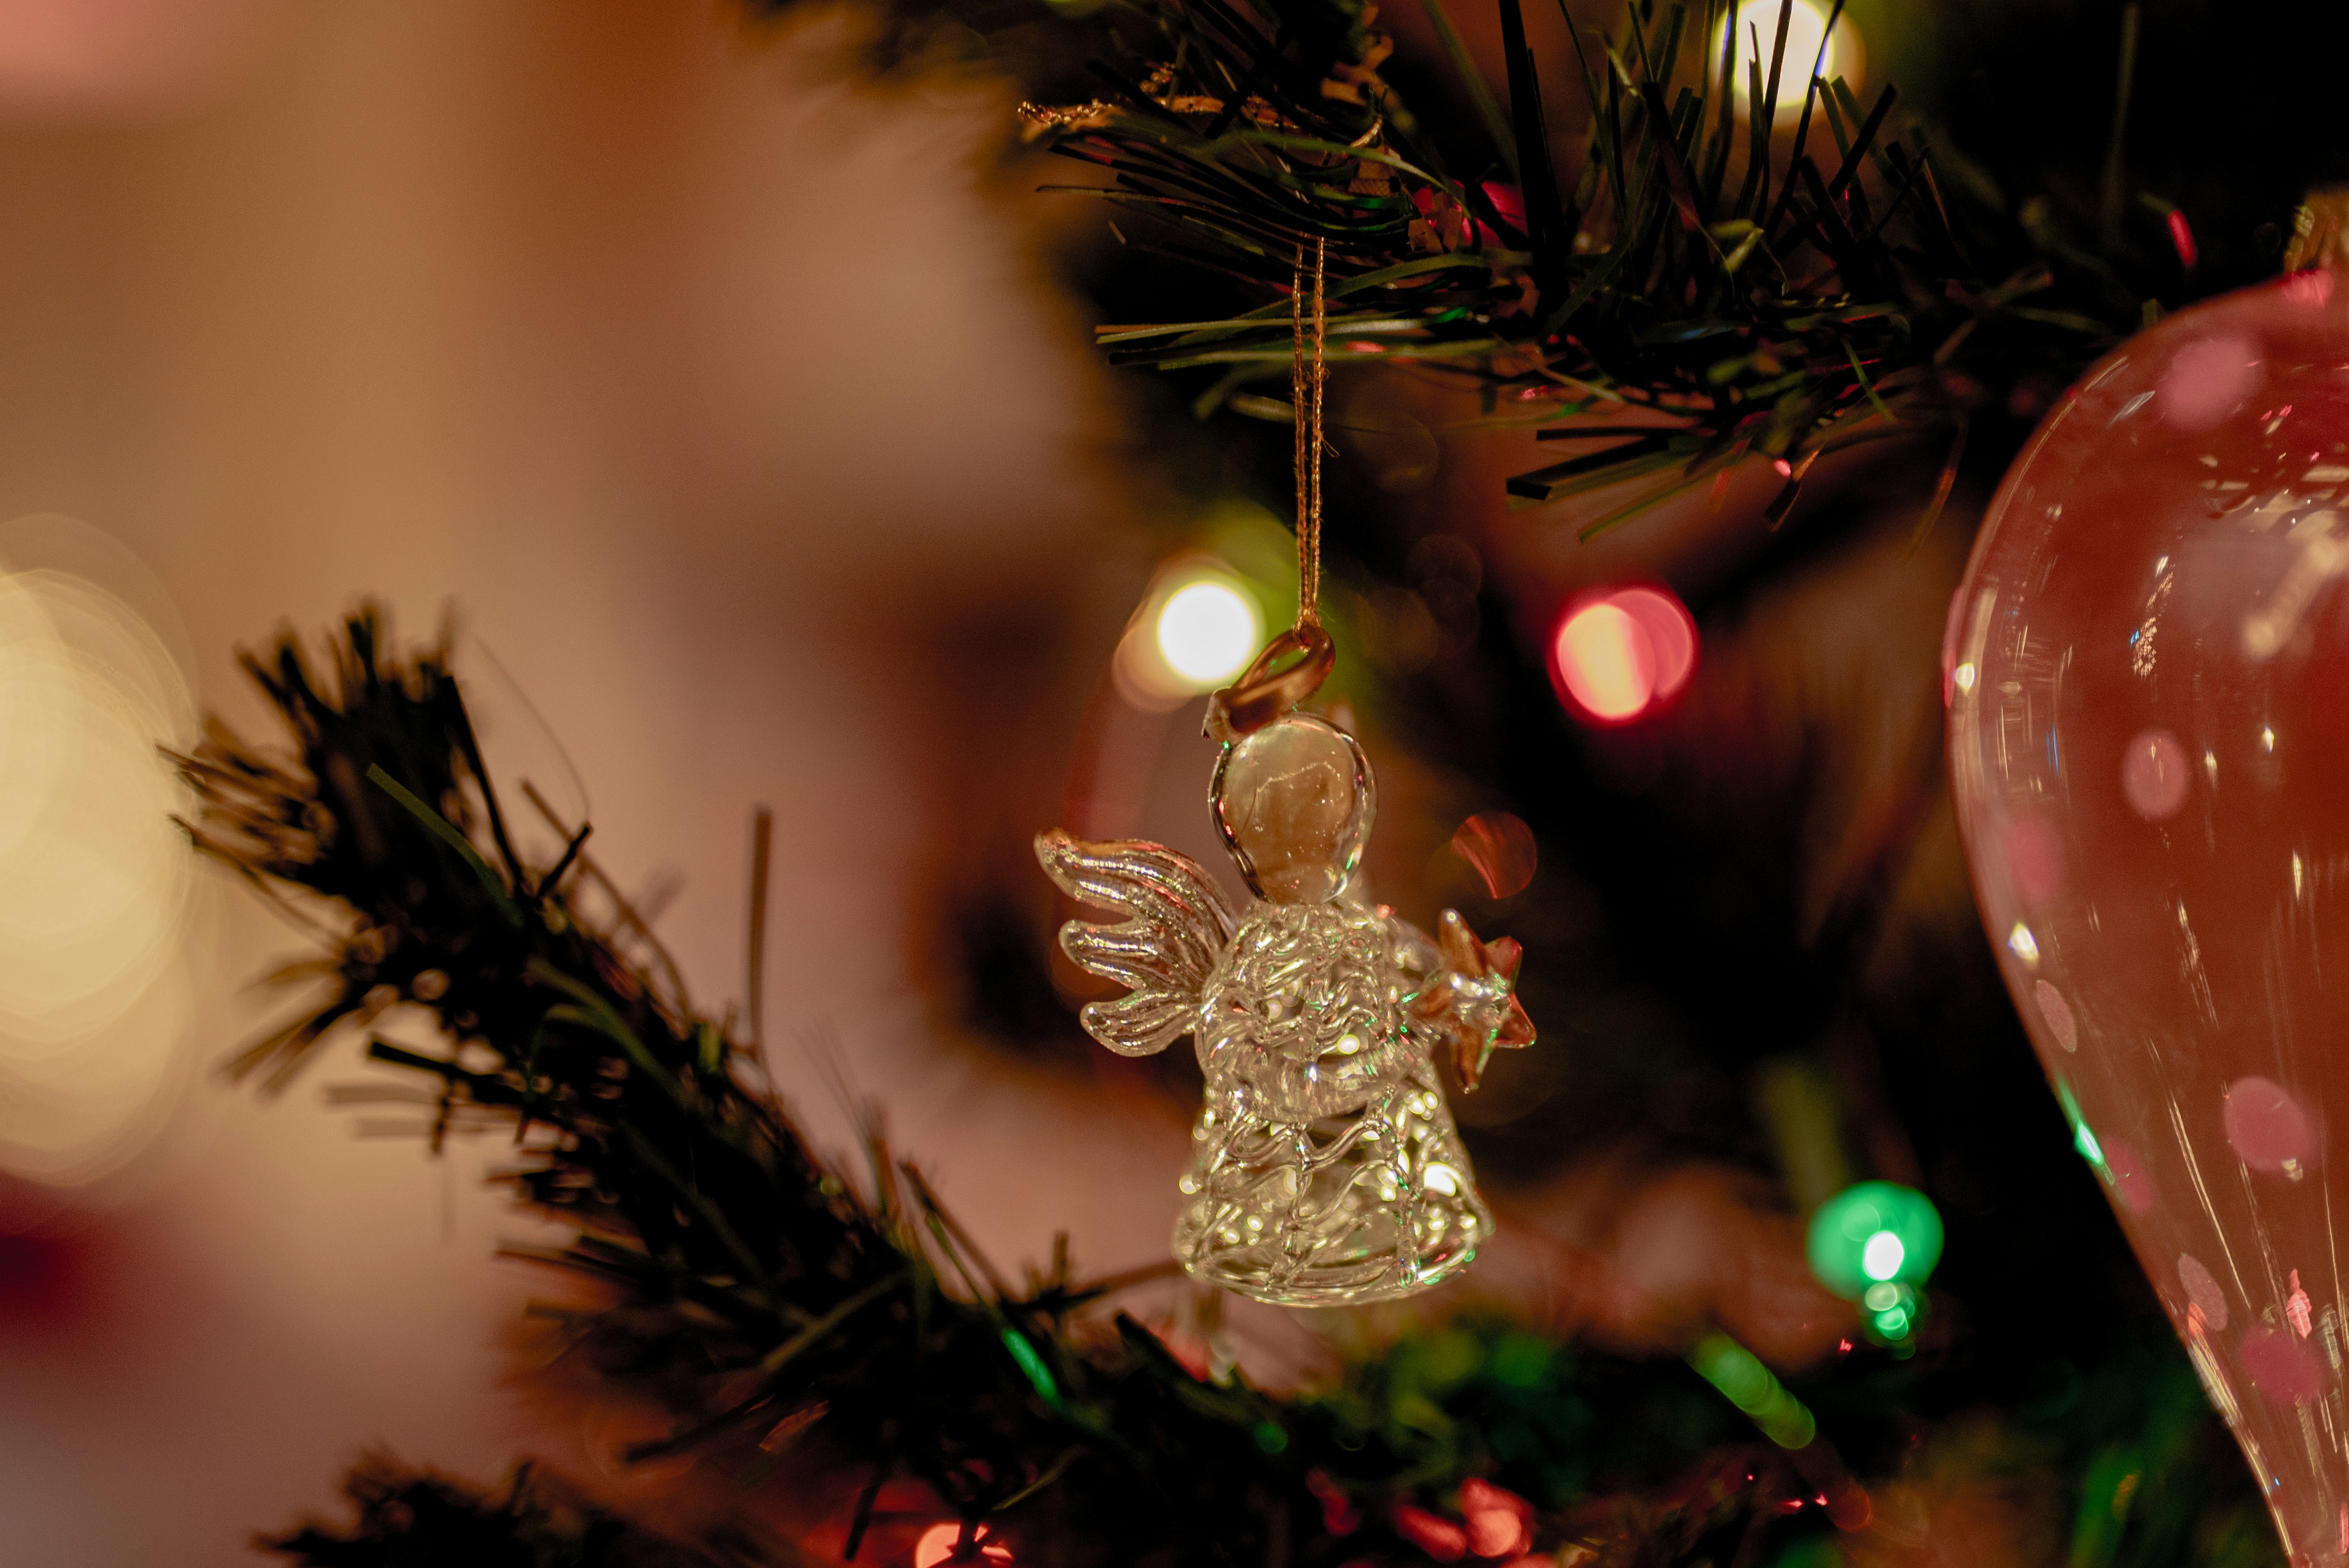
column 1325, row 1168
column 2147, row 673
column 1500, row 849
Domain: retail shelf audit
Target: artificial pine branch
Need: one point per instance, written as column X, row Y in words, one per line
column 413, row 1519
column 1749, row 309
column 760, row 1297
column 761, row 1294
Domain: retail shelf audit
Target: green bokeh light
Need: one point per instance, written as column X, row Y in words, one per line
column 1876, row 1233
column 1889, row 1313
column 1039, row 1375
column 1754, row 1388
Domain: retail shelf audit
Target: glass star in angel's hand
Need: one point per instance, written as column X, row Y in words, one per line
column 1472, row 1005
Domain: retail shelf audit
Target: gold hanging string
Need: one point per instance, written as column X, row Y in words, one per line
column 1293, row 665
column 1308, row 375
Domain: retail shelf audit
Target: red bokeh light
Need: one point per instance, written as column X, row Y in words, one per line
column 2181, row 239
column 1621, row 652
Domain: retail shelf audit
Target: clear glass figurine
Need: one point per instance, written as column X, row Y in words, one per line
column 1325, row 1168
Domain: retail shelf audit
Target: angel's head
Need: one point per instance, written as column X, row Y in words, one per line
column 1294, row 803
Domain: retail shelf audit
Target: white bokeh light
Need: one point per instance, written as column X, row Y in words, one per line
column 1806, row 26
column 1881, row 1257
column 1207, row 632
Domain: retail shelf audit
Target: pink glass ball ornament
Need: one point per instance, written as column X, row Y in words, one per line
column 2147, row 674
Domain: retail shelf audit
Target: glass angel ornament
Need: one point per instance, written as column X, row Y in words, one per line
column 1325, row 1168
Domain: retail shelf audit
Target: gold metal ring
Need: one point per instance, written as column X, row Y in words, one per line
column 1263, row 693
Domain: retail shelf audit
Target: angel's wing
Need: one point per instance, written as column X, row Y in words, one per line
column 1176, row 927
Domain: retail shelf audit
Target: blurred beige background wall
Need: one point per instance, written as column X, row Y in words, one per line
column 723, row 400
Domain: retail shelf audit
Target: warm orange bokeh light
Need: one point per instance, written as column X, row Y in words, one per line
column 1671, row 635
column 937, row 1543
column 1808, row 45
column 1604, row 663
column 1619, row 654
column 96, row 884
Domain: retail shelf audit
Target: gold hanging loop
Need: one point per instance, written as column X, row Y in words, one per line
column 1263, row 693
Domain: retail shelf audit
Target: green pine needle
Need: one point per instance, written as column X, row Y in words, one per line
column 1868, row 285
